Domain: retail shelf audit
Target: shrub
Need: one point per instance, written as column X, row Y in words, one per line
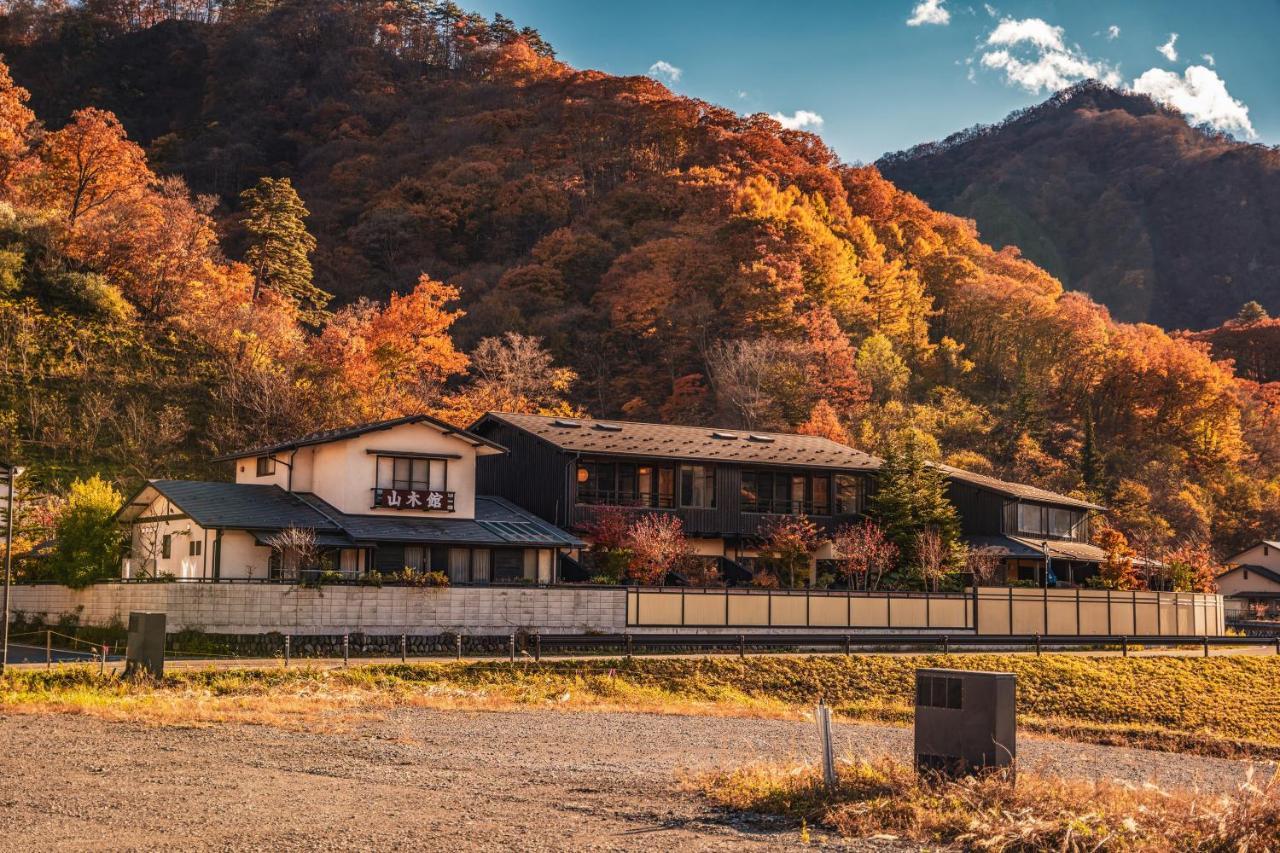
column 990, row 812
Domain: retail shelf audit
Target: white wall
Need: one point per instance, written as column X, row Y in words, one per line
column 261, row 608
column 1259, row 555
column 344, row 473
column 1242, row 582
column 146, row 546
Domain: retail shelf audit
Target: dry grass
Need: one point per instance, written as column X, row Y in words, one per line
column 885, row 797
column 1222, row 706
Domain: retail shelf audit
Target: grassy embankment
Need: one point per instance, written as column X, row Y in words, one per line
column 1215, row 706
column 886, row 798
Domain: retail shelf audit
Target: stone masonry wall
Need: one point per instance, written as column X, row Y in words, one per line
column 233, row 608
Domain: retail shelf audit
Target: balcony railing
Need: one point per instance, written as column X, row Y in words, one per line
column 610, row 497
column 766, row 506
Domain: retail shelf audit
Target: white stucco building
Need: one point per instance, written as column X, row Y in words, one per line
column 383, row 496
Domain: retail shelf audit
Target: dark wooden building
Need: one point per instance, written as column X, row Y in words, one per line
column 724, row 483
column 721, row 483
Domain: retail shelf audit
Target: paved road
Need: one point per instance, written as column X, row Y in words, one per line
column 442, row 780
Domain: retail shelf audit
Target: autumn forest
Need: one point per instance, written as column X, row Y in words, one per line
column 223, row 223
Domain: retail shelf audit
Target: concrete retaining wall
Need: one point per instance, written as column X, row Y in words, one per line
column 227, row 608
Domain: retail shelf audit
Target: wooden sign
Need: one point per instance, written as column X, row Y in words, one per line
column 416, row 499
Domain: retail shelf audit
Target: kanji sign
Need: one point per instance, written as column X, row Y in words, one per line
column 419, row 499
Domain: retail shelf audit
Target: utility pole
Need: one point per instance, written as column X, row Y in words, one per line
column 11, row 501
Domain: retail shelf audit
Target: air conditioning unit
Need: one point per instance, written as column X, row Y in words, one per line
column 965, row 721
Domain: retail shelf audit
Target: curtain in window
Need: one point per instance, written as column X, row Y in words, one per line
column 459, row 565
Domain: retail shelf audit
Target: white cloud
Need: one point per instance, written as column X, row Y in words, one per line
column 1113, row 32
column 666, row 71
column 1208, row 57
column 991, row 10
column 929, row 12
column 1168, row 50
column 1033, row 31
column 1034, row 54
column 798, row 120
column 1199, row 94
column 742, row 93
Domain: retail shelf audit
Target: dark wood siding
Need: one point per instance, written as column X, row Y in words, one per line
column 532, row 474
column 982, row 512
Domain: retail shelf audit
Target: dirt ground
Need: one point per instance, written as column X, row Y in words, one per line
column 443, row 780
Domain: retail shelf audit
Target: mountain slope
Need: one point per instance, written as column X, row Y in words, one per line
column 689, row 264
column 1119, row 198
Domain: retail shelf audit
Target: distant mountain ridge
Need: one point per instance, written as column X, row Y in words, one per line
column 1119, row 197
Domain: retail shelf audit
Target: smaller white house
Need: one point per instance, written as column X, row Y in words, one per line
column 1253, row 581
column 382, row 497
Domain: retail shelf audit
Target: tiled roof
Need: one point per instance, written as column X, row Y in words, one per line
column 1015, row 490
column 328, row 435
column 631, row 438
column 1061, row 549
column 1026, row 548
column 268, row 508
column 497, row 522
column 243, row 506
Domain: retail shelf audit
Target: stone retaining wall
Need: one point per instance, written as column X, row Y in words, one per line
column 233, row 608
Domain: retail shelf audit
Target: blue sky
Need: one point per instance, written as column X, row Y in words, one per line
column 880, row 84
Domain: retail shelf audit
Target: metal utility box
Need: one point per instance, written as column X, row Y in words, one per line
column 145, row 652
column 965, row 721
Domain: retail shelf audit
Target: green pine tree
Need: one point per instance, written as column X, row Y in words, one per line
column 911, row 496
column 280, row 246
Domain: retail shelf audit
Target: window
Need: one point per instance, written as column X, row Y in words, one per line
column 266, row 466
column 698, row 486
column 1063, row 522
column 508, row 564
column 821, row 495
column 1031, row 519
column 166, row 546
column 459, row 565
column 194, row 548
column 415, row 557
column 850, row 494
column 607, row 483
column 411, row 474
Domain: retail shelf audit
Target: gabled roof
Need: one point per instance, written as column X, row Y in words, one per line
column 341, row 433
column 708, row 444
column 242, row 506
column 1268, row 542
column 1260, row 571
column 1062, row 549
column 1021, row 491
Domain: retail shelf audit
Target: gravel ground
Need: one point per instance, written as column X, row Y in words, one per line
column 442, row 780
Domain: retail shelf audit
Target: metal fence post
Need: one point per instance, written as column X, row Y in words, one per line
column 628, row 645
column 1037, row 645
column 846, row 645
column 1206, row 645
column 48, row 649
column 457, row 646
column 102, row 660
column 537, row 648
column 288, row 645
column 823, row 716
column 1124, row 647
column 946, row 644
column 404, row 649
column 511, row 647
column 346, row 649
